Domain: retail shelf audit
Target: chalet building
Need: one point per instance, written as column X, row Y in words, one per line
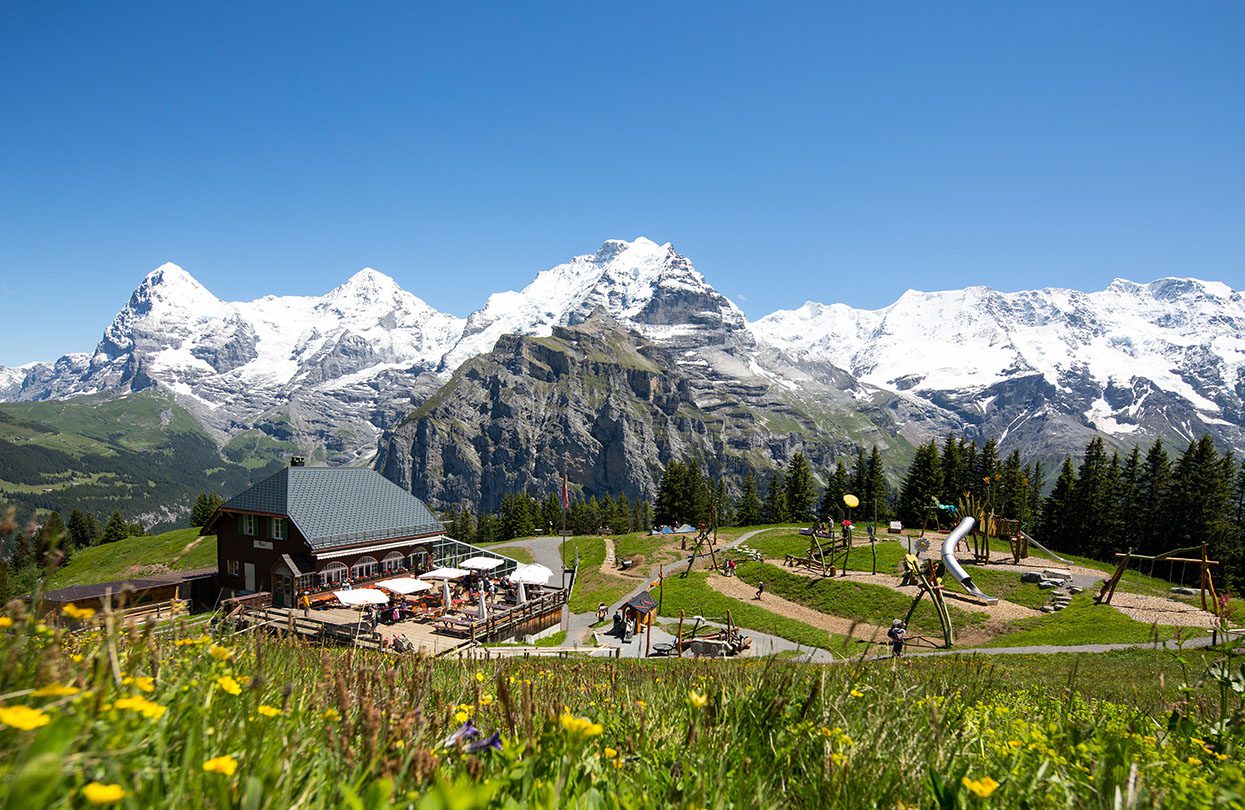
column 314, row 528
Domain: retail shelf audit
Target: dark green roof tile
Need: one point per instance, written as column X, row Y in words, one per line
column 339, row 506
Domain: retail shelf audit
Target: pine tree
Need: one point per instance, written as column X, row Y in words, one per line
column 1090, row 496
column 1129, row 499
column 749, row 502
column 116, row 529
column 1055, row 524
column 988, row 472
column 873, row 500
column 860, row 475
column 51, row 537
column 83, row 529
column 801, row 491
column 1152, row 497
column 921, row 485
column 952, row 463
column 722, row 505
column 775, row 509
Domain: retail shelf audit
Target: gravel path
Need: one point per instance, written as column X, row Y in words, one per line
column 1152, row 609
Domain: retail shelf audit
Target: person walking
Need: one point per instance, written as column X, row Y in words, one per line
column 760, row 589
column 897, row 634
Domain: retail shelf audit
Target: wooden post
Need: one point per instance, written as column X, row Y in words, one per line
column 648, row 638
column 661, row 587
column 680, row 639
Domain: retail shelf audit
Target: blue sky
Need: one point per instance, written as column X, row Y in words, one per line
column 793, row 152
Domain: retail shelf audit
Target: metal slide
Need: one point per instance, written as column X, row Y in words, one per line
column 953, row 565
column 1041, row 547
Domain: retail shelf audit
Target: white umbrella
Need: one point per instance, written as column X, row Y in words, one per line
column 482, row 611
column 532, row 574
column 445, row 573
column 522, row 593
column 404, row 585
column 481, row 563
column 361, row 596
column 445, row 592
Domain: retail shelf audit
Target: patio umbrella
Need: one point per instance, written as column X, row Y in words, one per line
column 532, row 574
column 361, row 596
column 404, row 585
column 482, row 610
column 445, row 573
column 522, row 593
column 445, row 592
column 481, row 563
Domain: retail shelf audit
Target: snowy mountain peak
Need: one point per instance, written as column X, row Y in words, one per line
column 169, row 282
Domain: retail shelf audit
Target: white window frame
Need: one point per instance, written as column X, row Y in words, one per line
column 278, row 529
column 334, row 574
column 364, row 567
column 250, row 526
column 394, row 561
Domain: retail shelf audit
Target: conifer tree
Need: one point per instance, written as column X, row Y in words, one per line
column 921, row 485
column 1055, row 523
column 952, row 463
column 1152, row 499
column 873, row 500
column 775, row 509
column 1090, row 496
column 83, row 529
column 801, row 492
column 749, row 502
column 116, row 529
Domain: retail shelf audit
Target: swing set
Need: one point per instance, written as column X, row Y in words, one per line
column 1206, row 584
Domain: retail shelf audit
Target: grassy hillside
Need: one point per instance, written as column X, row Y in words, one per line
column 258, row 722
column 142, row 454
column 149, row 555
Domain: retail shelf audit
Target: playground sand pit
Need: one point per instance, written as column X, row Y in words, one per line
column 738, row 589
column 1156, row 609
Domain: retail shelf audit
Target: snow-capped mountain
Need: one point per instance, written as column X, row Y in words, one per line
column 645, row 285
column 1131, row 361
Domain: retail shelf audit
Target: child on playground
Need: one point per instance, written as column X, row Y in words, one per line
column 896, row 634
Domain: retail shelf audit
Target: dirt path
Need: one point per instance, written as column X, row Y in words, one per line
column 1151, row 609
column 738, row 589
column 608, row 564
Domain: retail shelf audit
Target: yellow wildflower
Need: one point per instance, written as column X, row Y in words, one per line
column 188, row 642
column 99, row 793
column 1194, row 761
column 143, row 684
column 838, row 759
column 227, row 683
column 76, row 658
column 1015, row 743
column 220, row 653
column 332, row 715
column 74, row 612
column 857, row 693
column 460, row 716
column 140, row 704
column 23, row 717
column 983, row 787
column 55, row 690
column 5, row 622
column 580, row 726
column 1151, row 739
column 268, row 711
column 641, row 704
column 486, row 700
column 226, row 765
column 698, row 700
column 480, row 677
column 610, row 753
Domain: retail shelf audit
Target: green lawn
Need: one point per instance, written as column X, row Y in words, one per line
column 1001, row 585
column 875, row 604
column 695, row 597
column 1083, row 622
column 519, row 553
column 116, row 560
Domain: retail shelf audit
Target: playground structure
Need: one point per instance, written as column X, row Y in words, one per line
column 706, row 538
column 822, row 558
column 1206, row 583
column 953, row 565
column 925, row 577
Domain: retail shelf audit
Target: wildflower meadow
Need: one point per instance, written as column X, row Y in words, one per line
column 188, row 716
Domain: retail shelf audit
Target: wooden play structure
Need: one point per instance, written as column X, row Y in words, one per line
column 822, row 557
column 706, row 542
column 925, row 577
column 1206, row 583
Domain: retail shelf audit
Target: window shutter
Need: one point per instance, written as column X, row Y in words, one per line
column 241, row 525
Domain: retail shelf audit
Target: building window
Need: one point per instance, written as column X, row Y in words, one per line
column 247, row 525
column 233, row 567
column 278, row 528
column 362, row 569
column 333, row 574
column 393, row 562
column 419, row 562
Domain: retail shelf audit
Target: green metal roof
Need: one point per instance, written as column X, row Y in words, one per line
column 339, row 506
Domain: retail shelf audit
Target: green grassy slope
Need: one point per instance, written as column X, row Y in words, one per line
column 141, row 454
column 137, row 556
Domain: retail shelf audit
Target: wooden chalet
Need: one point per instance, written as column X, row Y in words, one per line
column 316, row 528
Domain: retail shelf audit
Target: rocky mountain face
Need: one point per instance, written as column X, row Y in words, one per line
column 616, row 361
column 611, row 407
column 1046, row 370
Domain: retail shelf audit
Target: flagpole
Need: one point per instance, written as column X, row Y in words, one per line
column 565, row 504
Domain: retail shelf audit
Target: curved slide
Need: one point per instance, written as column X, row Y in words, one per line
column 953, row 565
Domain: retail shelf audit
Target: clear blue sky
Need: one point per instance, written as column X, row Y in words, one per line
column 793, row 152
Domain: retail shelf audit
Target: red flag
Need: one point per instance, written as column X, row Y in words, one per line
column 566, row 494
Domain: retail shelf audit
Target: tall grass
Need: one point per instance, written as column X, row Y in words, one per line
column 177, row 719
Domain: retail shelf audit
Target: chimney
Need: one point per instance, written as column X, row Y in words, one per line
column 298, row 461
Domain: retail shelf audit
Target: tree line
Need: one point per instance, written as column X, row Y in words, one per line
column 957, row 469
